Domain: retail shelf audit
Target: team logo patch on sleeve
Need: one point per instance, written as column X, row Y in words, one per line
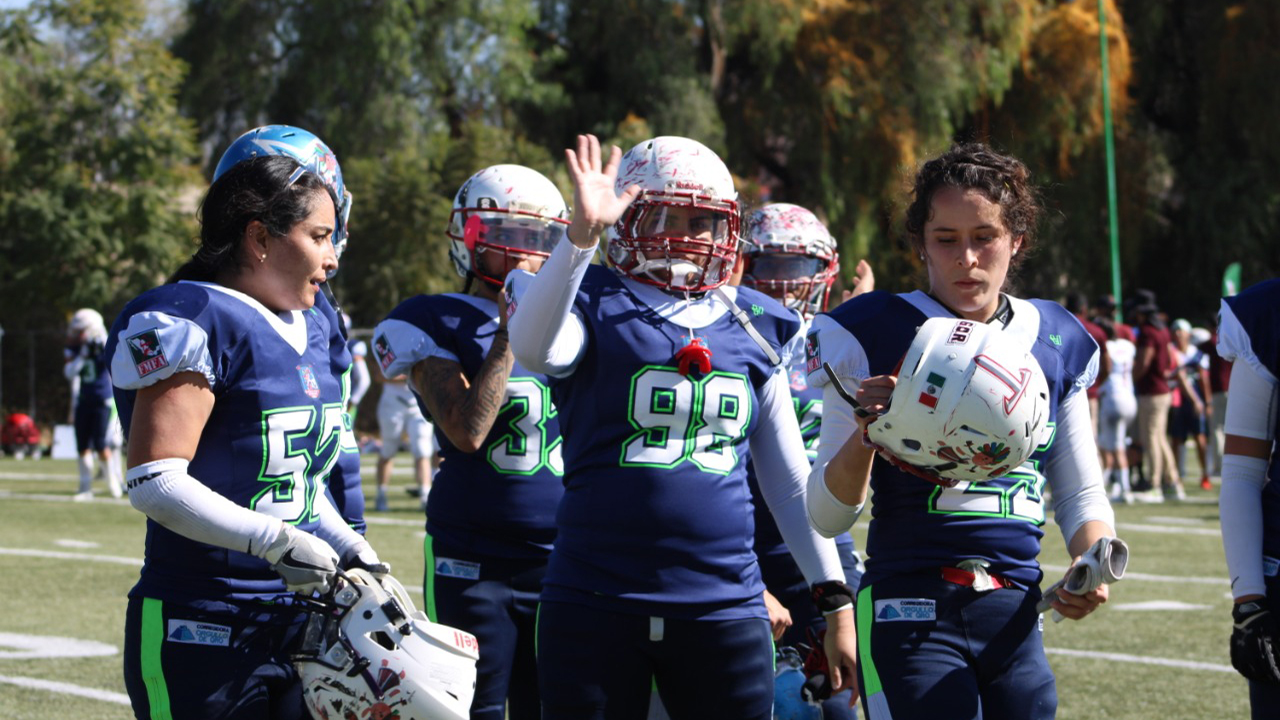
column 148, row 354
column 191, row 632
column 308, row 378
column 812, row 353
column 382, row 349
column 906, row 610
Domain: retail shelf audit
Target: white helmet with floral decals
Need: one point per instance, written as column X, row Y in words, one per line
column 511, row 210
column 87, row 326
column 367, row 652
column 791, row 256
column 681, row 233
column 970, row 405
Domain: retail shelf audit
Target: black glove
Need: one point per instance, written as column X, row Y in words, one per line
column 1255, row 643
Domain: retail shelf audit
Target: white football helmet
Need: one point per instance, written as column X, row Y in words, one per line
column 682, row 232
column 970, row 405
column 367, row 652
column 509, row 209
column 791, row 256
column 86, row 325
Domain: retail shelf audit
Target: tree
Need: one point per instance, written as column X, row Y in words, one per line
column 95, row 161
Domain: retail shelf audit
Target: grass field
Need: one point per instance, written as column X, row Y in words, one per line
column 1157, row 650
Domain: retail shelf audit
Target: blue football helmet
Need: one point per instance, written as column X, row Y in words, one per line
column 308, row 150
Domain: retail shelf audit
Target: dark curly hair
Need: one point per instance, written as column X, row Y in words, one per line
column 253, row 189
column 1002, row 179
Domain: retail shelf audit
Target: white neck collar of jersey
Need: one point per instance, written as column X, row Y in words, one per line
column 697, row 312
column 484, row 305
column 1024, row 326
column 289, row 325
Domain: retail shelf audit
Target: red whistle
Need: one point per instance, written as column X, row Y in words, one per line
column 695, row 353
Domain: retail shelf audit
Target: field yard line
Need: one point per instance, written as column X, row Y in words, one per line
column 378, row 520
column 56, row 555
column 66, row 689
column 1141, row 659
column 101, row 497
column 1192, row 579
column 1169, row 529
column 37, row 476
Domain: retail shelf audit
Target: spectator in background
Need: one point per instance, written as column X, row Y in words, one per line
column 1189, row 416
column 399, row 415
column 1077, row 304
column 1151, row 370
column 95, row 409
column 1118, row 409
column 1219, row 383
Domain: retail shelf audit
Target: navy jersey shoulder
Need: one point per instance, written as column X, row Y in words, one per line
column 500, row 500
column 883, row 323
column 1257, row 310
column 271, row 438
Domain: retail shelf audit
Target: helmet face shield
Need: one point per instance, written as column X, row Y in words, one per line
column 511, row 234
column 678, row 241
column 801, row 282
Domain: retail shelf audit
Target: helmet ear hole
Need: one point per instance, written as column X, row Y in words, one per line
column 912, row 445
column 382, row 639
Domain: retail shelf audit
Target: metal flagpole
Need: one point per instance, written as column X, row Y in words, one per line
column 1111, row 159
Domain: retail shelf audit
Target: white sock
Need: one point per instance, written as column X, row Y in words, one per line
column 86, row 472
column 1124, row 479
column 115, row 482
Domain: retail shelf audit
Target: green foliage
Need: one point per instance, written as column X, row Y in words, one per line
column 95, row 166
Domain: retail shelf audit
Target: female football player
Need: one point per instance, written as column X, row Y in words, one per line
column 313, row 154
column 947, row 619
column 664, row 377
column 222, row 377
column 1249, row 334
column 491, row 514
column 790, row 256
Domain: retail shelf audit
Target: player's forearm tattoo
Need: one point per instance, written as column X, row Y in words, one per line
column 467, row 410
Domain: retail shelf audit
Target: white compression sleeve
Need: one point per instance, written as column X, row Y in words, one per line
column 827, row 514
column 546, row 336
column 777, row 450
column 1251, row 413
column 1073, row 470
column 333, row 529
column 164, row 491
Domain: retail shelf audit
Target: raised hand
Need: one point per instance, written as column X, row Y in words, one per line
column 595, row 205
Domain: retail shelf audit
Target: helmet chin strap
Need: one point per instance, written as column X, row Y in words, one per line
column 677, row 269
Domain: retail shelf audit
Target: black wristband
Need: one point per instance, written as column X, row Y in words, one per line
column 832, row 595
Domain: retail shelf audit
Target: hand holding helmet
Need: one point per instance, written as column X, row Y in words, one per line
column 969, row 405
column 367, row 651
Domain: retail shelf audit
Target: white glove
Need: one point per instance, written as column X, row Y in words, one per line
column 307, row 563
column 1104, row 562
column 361, row 556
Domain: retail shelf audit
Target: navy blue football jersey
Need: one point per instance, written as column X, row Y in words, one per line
column 1249, row 331
column 916, row 525
column 344, row 478
column 274, row 433
column 500, row 500
column 95, row 379
column 656, row 517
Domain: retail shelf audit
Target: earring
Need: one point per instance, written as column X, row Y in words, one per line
column 264, row 258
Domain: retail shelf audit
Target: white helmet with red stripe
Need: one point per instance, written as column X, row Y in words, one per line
column 510, row 210
column 681, row 233
column 367, row 652
column 970, row 404
column 791, row 256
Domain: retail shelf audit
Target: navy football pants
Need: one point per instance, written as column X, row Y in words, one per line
column 931, row 648
column 600, row 665
column 497, row 601
column 186, row 664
